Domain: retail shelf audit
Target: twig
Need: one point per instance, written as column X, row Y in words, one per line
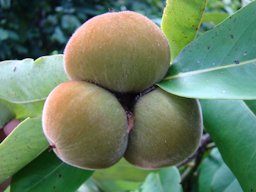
column 196, row 157
column 204, row 142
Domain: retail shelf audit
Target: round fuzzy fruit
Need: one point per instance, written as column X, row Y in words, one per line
column 167, row 130
column 121, row 51
column 85, row 125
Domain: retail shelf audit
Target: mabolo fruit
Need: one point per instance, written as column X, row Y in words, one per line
column 85, row 125
column 121, row 51
column 91, row 128
column 167, row 130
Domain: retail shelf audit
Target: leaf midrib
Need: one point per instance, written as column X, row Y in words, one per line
column 46, row 176
column 249, row 162
column 197, row 72
column 24, row 101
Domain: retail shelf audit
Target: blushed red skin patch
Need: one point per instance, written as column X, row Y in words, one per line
column 130, row 121
column 5, row 184
column 2, row 135
column 4, row 132
column 8, row 128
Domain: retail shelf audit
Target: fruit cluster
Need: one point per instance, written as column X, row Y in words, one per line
column 110, row 108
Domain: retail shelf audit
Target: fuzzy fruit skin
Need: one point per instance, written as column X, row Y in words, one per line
column 167, row 130
column 85, row 125
column 121, row 51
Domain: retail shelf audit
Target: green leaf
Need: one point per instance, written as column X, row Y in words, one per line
column 180, row 22
column 117, row 185
column 165, row 180
column 225, row 181
column 207, row 169
column 22, row 111
column 24, row 144
column 48, row 173
column 121, row 171
column 121, row 177
column 5, row 114
column 8, row 189
column 25, row 84
column 232, row 126
column 220, row 64
column 215, row 176
column 226, row 82
column 252, row 105
column 214, row 17
column 88, row 186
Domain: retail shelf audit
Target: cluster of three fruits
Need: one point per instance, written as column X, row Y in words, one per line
column 83, row 119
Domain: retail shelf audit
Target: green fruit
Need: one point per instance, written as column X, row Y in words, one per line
column 167, row 130
column 121, row 51
column 85, row 125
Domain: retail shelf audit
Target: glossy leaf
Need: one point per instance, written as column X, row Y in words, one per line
column 122, row 170
column 220, row 64
column 207, row 169
column 8, row 189
column 5, row 114
column 252, row 105
column 24, row 144
column 88, row 186
column 180, row 22
column 117, row 185
column 25, row 84
column 232, row 126
column 214, row 17
column 224, row 181
column 215, row 176
column 165, row 180
column 120, row 177
column 22, row 111
column 48, row 173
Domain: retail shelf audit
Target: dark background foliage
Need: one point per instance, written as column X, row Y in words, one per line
column 32, row 28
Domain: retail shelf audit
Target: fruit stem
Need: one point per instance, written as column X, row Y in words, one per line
column 127, row 100
column 203, row 146
column 197, row 158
